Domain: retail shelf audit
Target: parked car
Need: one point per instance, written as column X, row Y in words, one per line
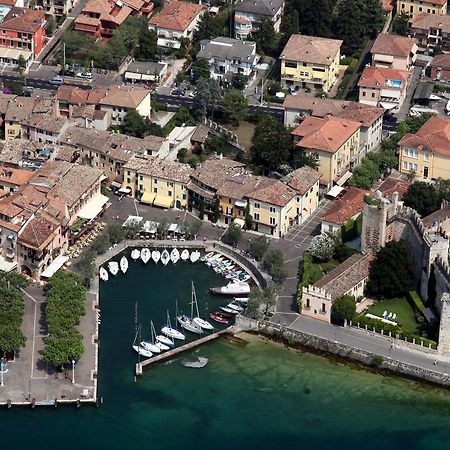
column 84, row 75
column 57, row 80
column 179, row 92
column 390, row 118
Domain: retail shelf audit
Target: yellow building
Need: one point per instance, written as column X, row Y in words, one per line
column 333, row 141
column 414, row 7
column 426, row 153
column 310, row 62
column 157, row 182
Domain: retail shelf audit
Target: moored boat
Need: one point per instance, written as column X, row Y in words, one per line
column 202, row 323
column 172, row 332
column 123, row 264
column 218, row 317
column 165, row 257
column 113, row 267
column 229, row 311
column 205, row 257
column 185, row 255
column 150, row 347
column 188, row 324
column 156, row 255
column 235, row 289
column 195, row 256
column 142, row 351
column 135, row 254
column 145, row 255
column 235, row 307
column 164, row 340
column 174, row 255
column 103, row 274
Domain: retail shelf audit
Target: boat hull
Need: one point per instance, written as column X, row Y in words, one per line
column 171, row 332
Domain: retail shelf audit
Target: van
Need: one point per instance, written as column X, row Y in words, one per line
column 57, row 80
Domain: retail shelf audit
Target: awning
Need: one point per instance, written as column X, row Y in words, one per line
column 148, row 197
column 150, row 227
column 388, row 106
column 240, row 203
column 14, row 53
column 93, row 207
column 347, row 175
column 116, row 184
column 132, row 220
column 162, row 201
column 168, row 43
column 125, row 191
column 239, row 222
column 172, row 228
column 55, row 265
column 335, row 191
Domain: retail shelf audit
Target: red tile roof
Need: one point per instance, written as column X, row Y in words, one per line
column 23, row 19
column 348, row 206
column 390, row 44
column 176, row 15
column 442, row 61
column 377, row 77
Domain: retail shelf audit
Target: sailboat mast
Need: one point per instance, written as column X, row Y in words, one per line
column 194, row 299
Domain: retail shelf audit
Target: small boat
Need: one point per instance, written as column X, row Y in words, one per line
column 202, row 323
column 231, row 275
column 172, row 332
column 196, row 363
column 165, row 257
column 142, row 351
column 205, row 257
column 236, row 289
column 113, row 267
column 145, row 255
column 227, row 310
column 135, row 254
column 161, row 346
column 174, row 255
column 218, row 317
column 185, row 255
column 153, row 345
column 188, row 324
column 150, row 347
column 156, row 255
column 195, row 256
column 235, row 307
column 123, row 264
column 164, row 340
column 243, row 300
column 103, row 274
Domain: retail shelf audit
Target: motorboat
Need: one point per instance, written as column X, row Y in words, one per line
column 103, row 274
column 237, row 289
column 165, row 257
column 174, row 255
column 237, row 308
column 196, row 363
column 202, row 323
column 145, row 255
column 243, row 300
column 218, row 317
column 185, row 255
column 195, row 256
column 123, row 264
column 227, row 310
column 171, row 332
column 113, row 267
column 142, row 351
column 135, row 254
column 164, row 340
column 156, row 255
column 207, row 256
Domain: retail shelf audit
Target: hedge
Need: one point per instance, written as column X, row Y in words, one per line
column 416, row 301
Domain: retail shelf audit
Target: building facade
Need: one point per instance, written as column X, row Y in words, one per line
column 431, row 30
column 415, row 7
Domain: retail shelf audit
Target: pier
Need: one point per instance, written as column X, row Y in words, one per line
column 176, row 351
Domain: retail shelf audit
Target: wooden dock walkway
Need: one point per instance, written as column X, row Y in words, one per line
column 176, row 351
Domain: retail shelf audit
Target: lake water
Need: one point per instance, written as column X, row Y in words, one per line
column 255, row 395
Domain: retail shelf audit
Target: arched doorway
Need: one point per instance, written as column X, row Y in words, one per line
column 25, row 270
column 178, row 204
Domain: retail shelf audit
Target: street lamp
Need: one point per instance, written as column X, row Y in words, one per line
column 73, row 371
column 3, row 370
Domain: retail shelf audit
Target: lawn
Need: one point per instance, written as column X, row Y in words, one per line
column 405, row 314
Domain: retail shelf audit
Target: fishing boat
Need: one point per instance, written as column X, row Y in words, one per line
column 103, row 274
column 218, row 317
column 227, row 310
column 123, row 264
column 145, row 255
column 156, row 255
column 185, row 255
column 165, row 257
column 113, row 267
column 135, row 254
column 235, row 289
column 174, row 255
column 195, row 256
column 172, row 332
column 202, row 323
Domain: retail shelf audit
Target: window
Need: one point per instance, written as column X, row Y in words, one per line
column 272, row 220
column 169, row 184
column 364, row 93
column 141, row 187
column 169, row 193
column 409, row 166
column 373, row 94
column 155, row 181
column 290, row 64
column 411, row 153
column 272, row 209
column 155, row 190
column 323, row 309
column 128, row 180
column 257, row 205
column 256, row 216
column 426, row 156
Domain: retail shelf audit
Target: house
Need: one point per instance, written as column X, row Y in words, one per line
column 157, row 182
column 4, row 102
column 11, row 179
column 415, row 7
column 118, row 100
column 247, row 14
column 393, row 52
column 335, row 144
column 383, row 87
column 349, row 278
column 176, row 20
column 58, row 7
column 23, row 35
column 310, row 62
column 227, row 57
column 440, row 67
column 346, row 208
column 427, row 152
column 46, row 128
column 431, row 30
column 145, row 72
column 23, row 153
column 18, row 110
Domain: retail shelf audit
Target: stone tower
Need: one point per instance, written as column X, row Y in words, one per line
column 373, row 235
column 444, row 325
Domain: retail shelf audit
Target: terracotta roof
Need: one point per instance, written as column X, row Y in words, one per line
column 303, row 179
column 23, row 19
column 391, row 185
column 123, row 96
column 366, row 115
column 346, row 276
column 214, row 172
column 38, row 231
column 19, row 109
column 377, row 77
column 387, row 5
column 276, row 193
column 86, row 20
column 348, row 206
column 311, row 49
column 438, row 216
column 110, row 11
column 433, row 136
column 15, row 150
column 425, row 21
column 442, row 61
column 391, row 44
column 201, row 133
column 15, row 176
column 240, row 185
column 176, row 15
column 316, row 106
column 4, row 101
column 46, row 122
column 436, row 2
column 327, row 134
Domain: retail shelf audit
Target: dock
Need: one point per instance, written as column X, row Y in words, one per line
column 184, row 348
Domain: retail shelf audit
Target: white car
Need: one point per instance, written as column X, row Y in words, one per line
column 57, row 80
column 85, row 75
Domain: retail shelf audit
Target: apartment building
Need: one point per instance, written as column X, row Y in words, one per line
column 415, row 7
column 46, row 128
column 431, row 30
column 440, row 67
column 58, row 7
column 394, row 52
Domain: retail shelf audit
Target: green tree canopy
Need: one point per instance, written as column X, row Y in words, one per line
column 133, row 124
column 116, row 233
column 400, row 24
column 200, row 69
column 239, row 81
column 207, row 96
column 147, row 47
column 265, row 37
column 322, row 246
column 233, row 234
column 344, row 307
column 259, row 246
column 423, row 197
column 234, row 105
column 213, row 26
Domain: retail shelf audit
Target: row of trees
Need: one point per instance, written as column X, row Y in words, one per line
column 11, row 312
column 66, row 296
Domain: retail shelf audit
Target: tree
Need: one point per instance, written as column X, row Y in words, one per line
column 233, row 234
column 200, row 69
column 302, row 159
column 423, row 197
column 315, row 17
column 207, row 94
column 234, row 105
column 373, row 16
column 21, row 64
column 50, row 28
column 344, row 307
column 322, row 247
column 191, row 228
column 60, row 349
column 239, row 81
column 365, row 174
column 162, row 228
column 213, row 26
column 101, row 244
column 214, row 144
column 216, row 211
column 116, row 233
column 147, row 47
column 253, row 309
column 258, row 247
column 349, row 26
column 265, row 36
column 269, row 298
column 390, row 274
column 400, row 25
column 273, row 262
column 133, row 124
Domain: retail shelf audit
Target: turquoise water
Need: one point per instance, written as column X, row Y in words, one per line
column 255, row 395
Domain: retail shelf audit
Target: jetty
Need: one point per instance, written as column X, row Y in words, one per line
column 176, row 351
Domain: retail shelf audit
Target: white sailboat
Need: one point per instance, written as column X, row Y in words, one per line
column 163, row 347
column 139, row 349
column 202, row 323
column 123, row 264
column 174, row 255
column 156, row 255
column 145, row 255
column 113, row 267
column 185, row 255
column 164, row 340
column 135, row 254
column 172, row 332
column 165, row 257
column 195, row 256
column 103, row 274
column 187, row 322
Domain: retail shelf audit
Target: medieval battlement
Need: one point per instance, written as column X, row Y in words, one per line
column 319, row 292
